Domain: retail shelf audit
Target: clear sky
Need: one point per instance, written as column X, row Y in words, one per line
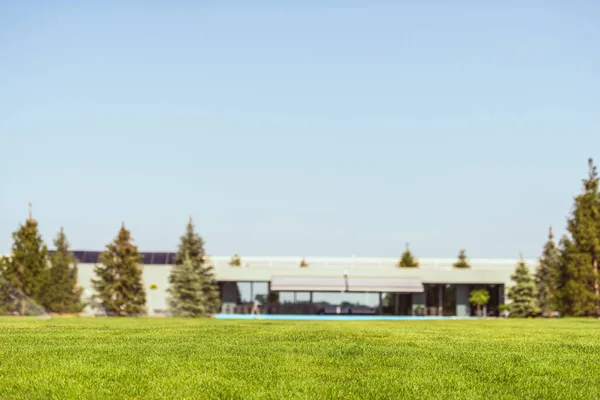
column 315, row 128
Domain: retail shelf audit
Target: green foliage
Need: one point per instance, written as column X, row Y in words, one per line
column 303, row 263
column 165, row 358
column 578, row 290
column 119, row 287
column 462, row 261
column 408, row 260
column 61, row 294
column 479, row 297
column 25, row 273
column 273, row 298
column 191, row 247
column 186, row 294
column 523, row 293
column 235, row 261
column 7, row 297
column 546, row 275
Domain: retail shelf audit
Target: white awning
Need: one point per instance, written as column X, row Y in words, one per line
column 397, row 285
column 314, row 284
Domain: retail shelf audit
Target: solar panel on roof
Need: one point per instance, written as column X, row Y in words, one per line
column 147, row 258
column 91, row 257
column 170, row 258
column 78, row 255
column 160, row 258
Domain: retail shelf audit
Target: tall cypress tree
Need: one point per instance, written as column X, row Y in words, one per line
column 119, row 287
column 522, row 294
column 578, row 291
column 186, row 292
column 407, row 260
column 61, row 294
column 192, row 246
column 546, row 275
column 26, row 271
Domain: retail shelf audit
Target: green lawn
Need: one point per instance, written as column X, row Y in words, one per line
column 173, row 359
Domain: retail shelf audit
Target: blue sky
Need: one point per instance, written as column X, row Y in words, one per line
column 314, row 128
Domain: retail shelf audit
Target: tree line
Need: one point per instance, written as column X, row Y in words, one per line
column 566, row 279
column 29, row 276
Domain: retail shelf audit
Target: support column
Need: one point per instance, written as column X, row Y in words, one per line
column 380, row 304
column 462, row 301
column 440, row 302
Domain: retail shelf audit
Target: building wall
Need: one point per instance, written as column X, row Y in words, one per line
column 263, row 268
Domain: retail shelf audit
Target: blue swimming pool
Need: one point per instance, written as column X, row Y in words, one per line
column 334, row 317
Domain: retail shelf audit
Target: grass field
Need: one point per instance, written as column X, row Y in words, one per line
column 174, row 359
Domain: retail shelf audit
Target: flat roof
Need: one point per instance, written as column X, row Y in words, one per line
column 263, row 269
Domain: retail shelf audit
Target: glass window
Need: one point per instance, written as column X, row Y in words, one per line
column 449, row 300
column 260, row 290
column 286, row 297
column 245, row 291
column 302, row 297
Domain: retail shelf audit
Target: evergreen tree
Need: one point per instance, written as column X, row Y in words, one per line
column 119, row 287
column 574, row 288
column 192, row 246
column 462, row 261
column 235, row 261
column 523, row 293
column 408, row 260
column 61, row 294
column 26, row 271
column 578, row 290
column 187, row 294
column 546, row 275
column 8, row 303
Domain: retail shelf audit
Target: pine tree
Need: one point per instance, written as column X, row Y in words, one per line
column 462, row 261
column 235, row 261
column 408, row 260
column 119, row 287
column 578, row 287
column 8, row 303
column 546, row 275
column 574, row 288
column 187, row 294
column 26, row 271
column 61, row 294
column 192, row 245
column 523, row 293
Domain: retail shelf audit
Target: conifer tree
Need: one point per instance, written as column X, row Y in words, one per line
column 26, row 271
column 186, row 292
column 192, row 246
column 119, row 287
column 462, row 261
column 523, row 293
column 408, row 260
column 8, row 301
column 546, row 275
column 578, row 288
column 574, row 288
column 61, row 294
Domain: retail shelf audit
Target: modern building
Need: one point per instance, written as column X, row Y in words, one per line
column 333, row 285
